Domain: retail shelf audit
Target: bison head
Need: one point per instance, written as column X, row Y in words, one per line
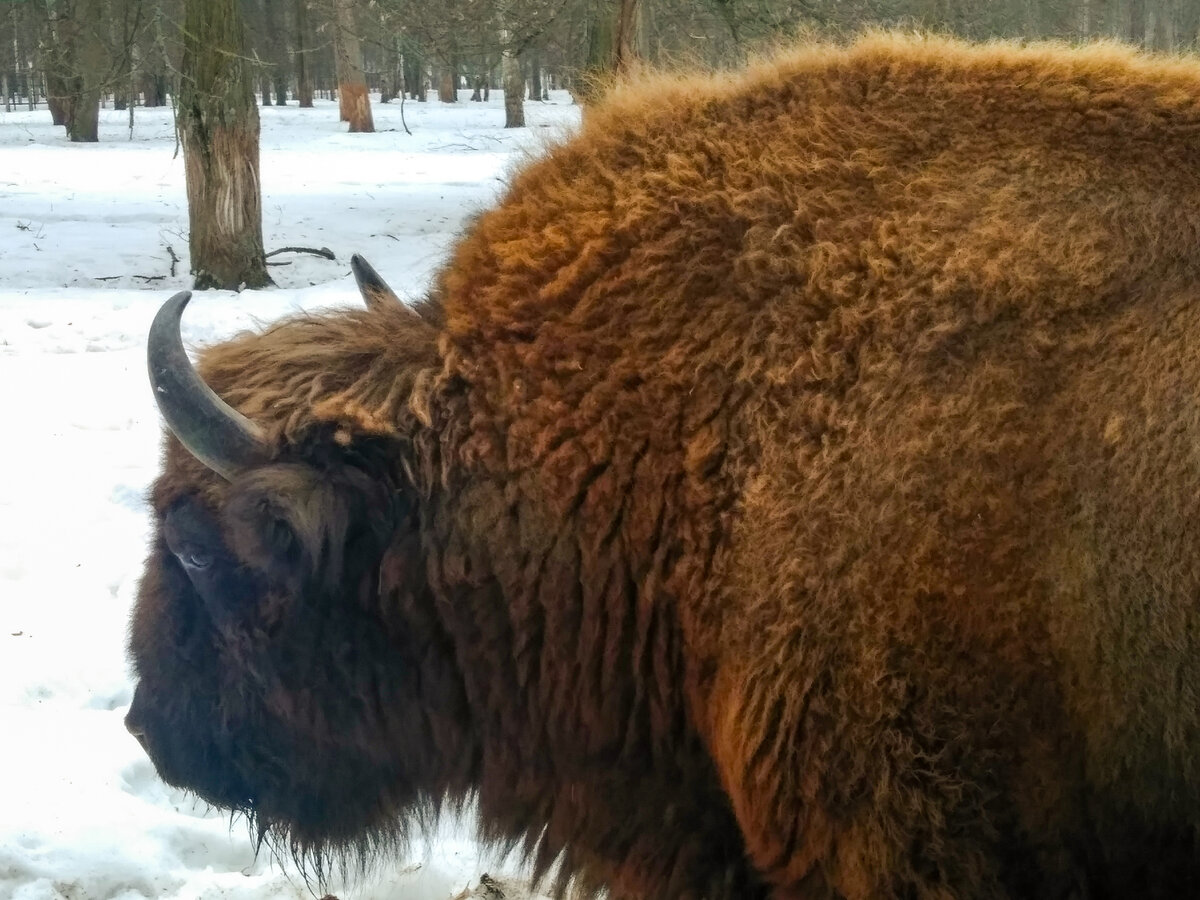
column 284, row 654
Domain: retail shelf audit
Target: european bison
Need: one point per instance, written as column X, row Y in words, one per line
column 791, row 489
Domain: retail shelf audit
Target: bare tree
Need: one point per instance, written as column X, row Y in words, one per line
column 414, row 73
column 1137, row 22
column 448, row 79
column 127, row 23
column 303, row 64
column 20, row 63
column 89, row 65
column 353, row 102
column 218, row 128
column 276, row 44
column 625, row 33
column 1189, row 24
column 9, row 66
column 392, row 79
column 514, row 84
column 80, row 65
column 155, row 69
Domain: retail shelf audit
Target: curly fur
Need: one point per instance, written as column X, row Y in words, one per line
column 791, row 489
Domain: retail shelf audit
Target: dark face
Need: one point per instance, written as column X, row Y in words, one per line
column 289, row 661
column 270, row 679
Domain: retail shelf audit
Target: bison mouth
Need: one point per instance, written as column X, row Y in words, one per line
column 331, row 812
column 201, row 767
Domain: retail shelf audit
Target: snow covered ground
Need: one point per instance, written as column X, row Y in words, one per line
column 87, row 234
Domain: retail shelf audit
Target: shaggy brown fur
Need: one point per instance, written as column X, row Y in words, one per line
column 790, row 490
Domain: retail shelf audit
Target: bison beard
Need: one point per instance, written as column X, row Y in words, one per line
column 790, row 490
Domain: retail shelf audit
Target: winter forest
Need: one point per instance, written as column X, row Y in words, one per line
column 77, row 55
column 214, row 60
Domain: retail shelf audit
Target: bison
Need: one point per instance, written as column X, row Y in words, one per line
column 790, row 489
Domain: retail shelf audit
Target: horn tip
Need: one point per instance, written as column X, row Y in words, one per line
column 364, row 272
column 375, row 291
column 179, row 300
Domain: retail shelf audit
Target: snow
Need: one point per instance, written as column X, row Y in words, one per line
column 82, row 814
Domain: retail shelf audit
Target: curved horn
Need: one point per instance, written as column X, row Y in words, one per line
column 375, row 291
column 208, row 427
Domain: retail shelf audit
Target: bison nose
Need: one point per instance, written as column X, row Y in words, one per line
column 133, row 720
column 134, row 727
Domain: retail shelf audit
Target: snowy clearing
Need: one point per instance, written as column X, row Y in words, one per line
column 82, row 814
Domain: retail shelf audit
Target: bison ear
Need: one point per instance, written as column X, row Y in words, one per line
column 375, row 291
column 270, row 520
column 295, row 522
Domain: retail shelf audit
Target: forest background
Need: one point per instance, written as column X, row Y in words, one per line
column 79, row 54
column 215, row 61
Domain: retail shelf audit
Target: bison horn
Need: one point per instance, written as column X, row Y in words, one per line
column 208, row 427
column 375, row 291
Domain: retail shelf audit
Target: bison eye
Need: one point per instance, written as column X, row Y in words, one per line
column 195, row 559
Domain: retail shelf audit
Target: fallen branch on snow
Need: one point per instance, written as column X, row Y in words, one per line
column 323, row 252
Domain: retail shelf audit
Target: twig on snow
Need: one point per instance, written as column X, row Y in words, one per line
column 322, row 252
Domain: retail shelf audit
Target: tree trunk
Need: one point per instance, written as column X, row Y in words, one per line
column 58, row 100
column 392, row 83
column 154, row 89
column 625, row 35
column 53, row 65
column 612, row 42
column 414, row 76
column 153, row 68
column 1163, row 33
column 1137, row 22
column 84, row 124
column 448, row 84
column 11, row 87
column 79, row 63
column 218, row 128
column 514, row 85
column 56, row 88
column 276, row 47
column 1189, row 25
column 31, row 78
column 353, row 102
column 304, row 84
column 536, row 91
